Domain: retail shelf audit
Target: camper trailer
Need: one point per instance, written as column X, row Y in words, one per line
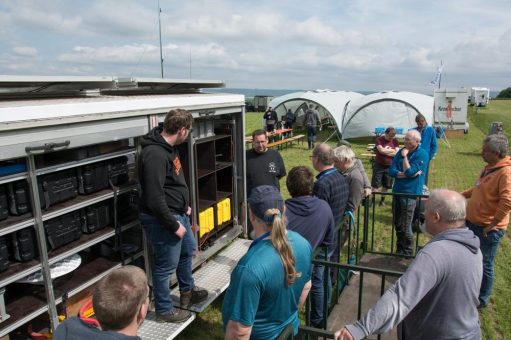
column 68, row 189
column 261, row 103
column 479, row 96
column 450, row 108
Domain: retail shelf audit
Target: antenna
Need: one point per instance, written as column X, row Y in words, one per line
column 159, row 26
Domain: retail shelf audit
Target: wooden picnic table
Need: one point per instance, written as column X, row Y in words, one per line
column 274, row 135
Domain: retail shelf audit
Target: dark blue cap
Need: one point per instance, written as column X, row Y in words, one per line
column 265, row 197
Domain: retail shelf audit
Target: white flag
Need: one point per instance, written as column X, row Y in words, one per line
column 438, row 74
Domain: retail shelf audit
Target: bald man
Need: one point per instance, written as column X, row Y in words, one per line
column 437, row 297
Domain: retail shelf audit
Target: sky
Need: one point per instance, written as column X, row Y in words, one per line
column 371, row 45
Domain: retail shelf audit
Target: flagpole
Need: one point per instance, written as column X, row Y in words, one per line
column 159, row 26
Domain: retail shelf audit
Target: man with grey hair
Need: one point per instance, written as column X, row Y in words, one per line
column 332, row 187
column 408, row 168
column 436, row 298
column 345, row 163
column 489, row 206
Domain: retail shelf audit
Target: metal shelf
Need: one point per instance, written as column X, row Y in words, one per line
column 95, row 159
column 13, row 177
column 82, row 201
column 85, row 241
column 210, row 138
column 15, row 223
column 28, row 307
column 18, row 270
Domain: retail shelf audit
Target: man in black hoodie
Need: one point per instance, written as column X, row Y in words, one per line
column 312, row 218
column 164, row 213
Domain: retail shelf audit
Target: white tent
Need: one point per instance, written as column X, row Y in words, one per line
column 330, row 104
column 374, row 112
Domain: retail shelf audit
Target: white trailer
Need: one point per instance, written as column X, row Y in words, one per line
column 450, row 108
column 479, row 96
column 57, row 126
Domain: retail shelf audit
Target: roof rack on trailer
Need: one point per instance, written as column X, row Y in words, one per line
column 23, row 87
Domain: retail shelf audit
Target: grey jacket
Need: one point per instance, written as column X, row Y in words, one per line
column 356, row 183
column 437, row 297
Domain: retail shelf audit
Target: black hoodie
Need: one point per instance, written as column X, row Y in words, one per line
column 163, row 186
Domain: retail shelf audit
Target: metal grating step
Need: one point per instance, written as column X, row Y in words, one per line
column 152, row 330
column 216, row 273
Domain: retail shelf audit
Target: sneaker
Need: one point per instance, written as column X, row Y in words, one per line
column 381, row 204
column 176, row 315
column 195, row 295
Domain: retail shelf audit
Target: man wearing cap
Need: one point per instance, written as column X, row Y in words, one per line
column 272, row 279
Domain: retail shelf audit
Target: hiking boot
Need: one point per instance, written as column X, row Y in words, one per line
column 176, row 315
column 195, row 295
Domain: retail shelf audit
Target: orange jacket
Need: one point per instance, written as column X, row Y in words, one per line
column 490, row 198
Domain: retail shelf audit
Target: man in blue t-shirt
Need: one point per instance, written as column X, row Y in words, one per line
column 408, row 168
column 267, row 286
column 428, row 140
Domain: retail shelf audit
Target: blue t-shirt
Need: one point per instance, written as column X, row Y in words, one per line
column 418, row 160
column 428, row 141
column 258, row 296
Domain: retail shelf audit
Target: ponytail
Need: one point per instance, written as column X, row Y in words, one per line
column 281, row 243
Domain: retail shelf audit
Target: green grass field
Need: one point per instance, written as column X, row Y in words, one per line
column 456, row 167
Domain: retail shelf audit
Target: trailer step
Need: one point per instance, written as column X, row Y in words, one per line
column 152, row 330
column 216, row 273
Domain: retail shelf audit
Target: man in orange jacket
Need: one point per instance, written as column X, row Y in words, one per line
column 489, row 206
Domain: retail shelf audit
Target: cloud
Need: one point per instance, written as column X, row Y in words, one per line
column 25, row 51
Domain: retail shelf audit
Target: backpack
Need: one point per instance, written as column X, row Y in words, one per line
column 290, row 117
column 311, row 118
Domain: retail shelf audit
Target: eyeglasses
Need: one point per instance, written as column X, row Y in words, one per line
column 312, row 156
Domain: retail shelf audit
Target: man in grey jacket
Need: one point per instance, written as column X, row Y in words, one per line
column 437, row 297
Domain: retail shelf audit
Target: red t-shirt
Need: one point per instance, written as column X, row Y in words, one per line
column 381, row 158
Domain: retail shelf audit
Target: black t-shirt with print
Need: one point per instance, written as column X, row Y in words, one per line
column 264, row 169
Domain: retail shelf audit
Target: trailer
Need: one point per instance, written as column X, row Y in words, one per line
column 68, row 188
column 479, row 96
column 450, row 108
column 261, row 103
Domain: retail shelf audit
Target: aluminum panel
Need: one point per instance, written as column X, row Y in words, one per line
column 216, row 273
column 152, row 330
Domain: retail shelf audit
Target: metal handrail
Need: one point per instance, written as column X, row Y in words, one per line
column 366, row 215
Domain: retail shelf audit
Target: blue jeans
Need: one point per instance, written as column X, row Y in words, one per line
column 171, row 255
column 318, row 293
column 403, row 208
column 311, row 134
column 489, row 245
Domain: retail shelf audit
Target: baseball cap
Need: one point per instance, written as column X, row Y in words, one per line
column 265, row 197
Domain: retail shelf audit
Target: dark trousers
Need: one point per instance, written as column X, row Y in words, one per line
column 403, row 208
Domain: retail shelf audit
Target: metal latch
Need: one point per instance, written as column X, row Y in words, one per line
column 47, row 147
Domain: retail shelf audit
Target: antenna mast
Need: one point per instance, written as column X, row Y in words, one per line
column 159, row 26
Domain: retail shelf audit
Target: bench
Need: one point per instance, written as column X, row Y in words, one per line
column 284, row 142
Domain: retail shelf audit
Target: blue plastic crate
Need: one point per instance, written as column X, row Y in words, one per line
column 12, row 168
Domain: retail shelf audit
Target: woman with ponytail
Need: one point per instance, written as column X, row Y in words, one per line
column 272, row 279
